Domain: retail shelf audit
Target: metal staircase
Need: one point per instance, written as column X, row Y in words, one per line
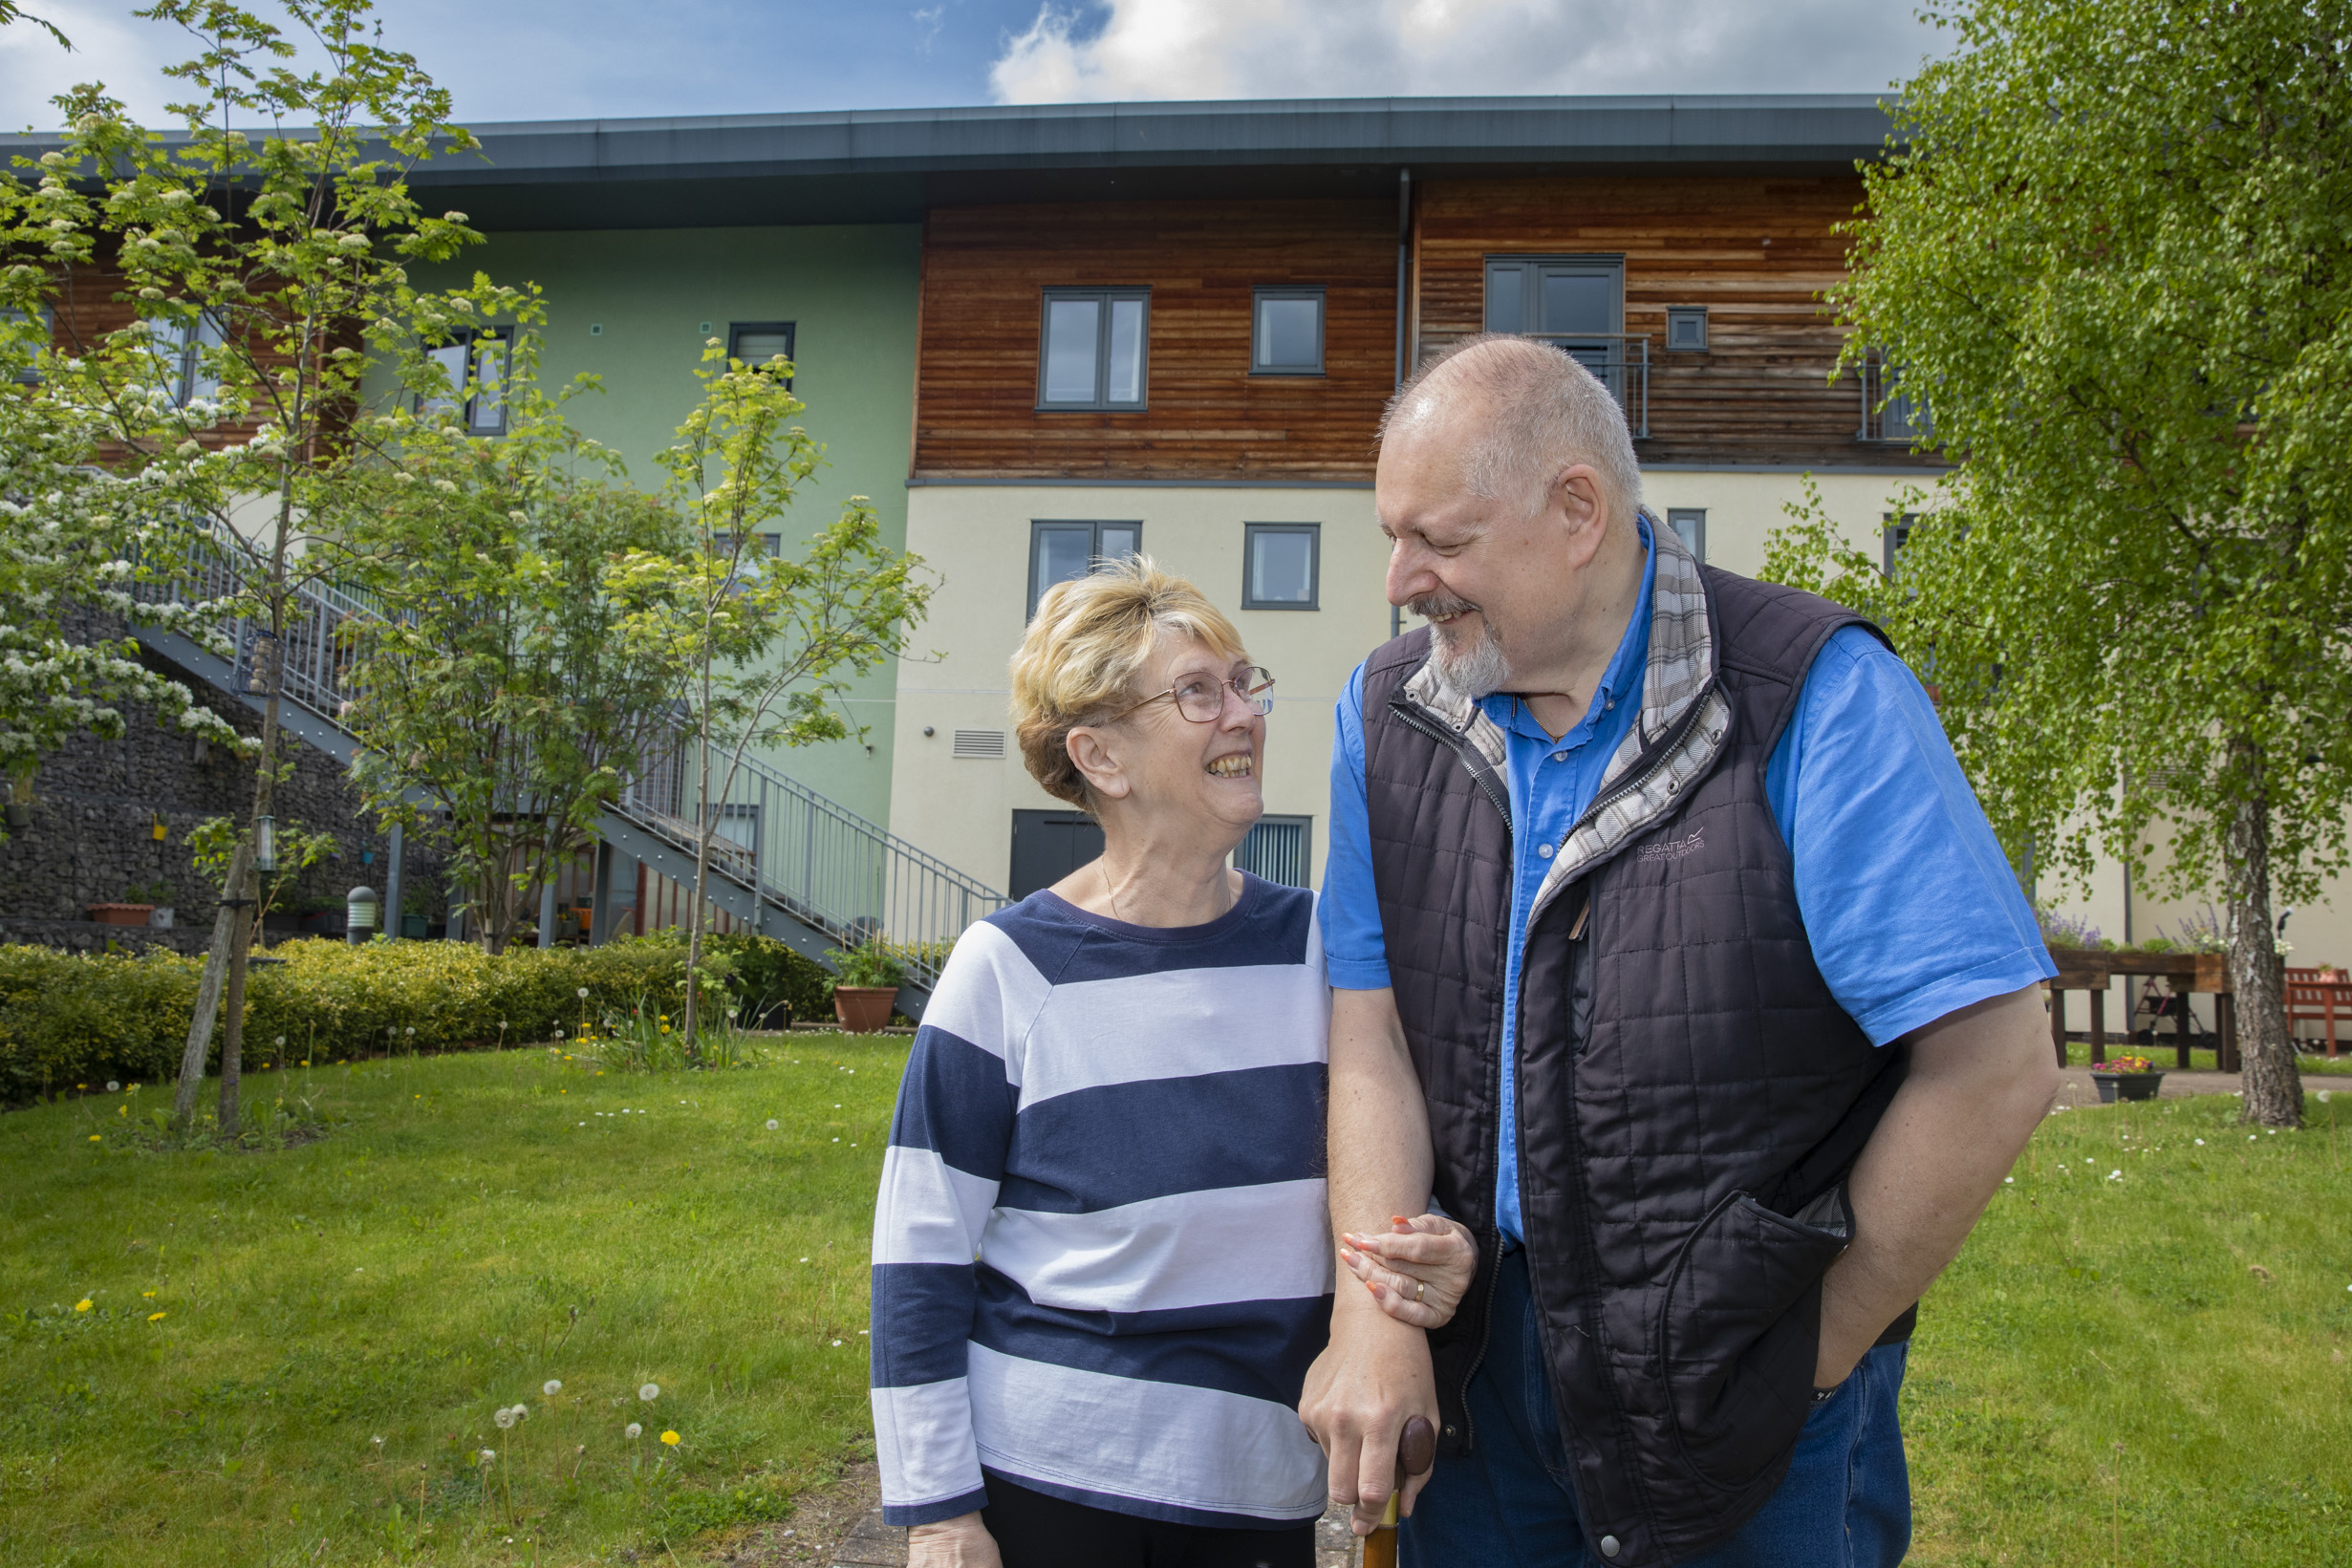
column 788, row 863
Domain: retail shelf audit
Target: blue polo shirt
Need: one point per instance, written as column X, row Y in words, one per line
column 1909, row 904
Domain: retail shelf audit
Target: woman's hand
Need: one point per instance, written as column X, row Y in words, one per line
column 959, row 1542
column 1418, row 1270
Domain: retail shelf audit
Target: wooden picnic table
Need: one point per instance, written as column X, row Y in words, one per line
column 2083, row 969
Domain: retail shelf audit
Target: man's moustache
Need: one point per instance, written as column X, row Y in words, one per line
column 1430, row 608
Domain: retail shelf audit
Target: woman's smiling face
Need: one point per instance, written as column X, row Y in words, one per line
column 1175, row 770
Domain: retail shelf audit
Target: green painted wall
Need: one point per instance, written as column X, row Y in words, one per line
column 629, row 305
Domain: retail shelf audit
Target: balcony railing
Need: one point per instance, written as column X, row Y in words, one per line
column 1620, row 361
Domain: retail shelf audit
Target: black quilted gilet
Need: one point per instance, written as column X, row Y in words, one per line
column 1687, row 1084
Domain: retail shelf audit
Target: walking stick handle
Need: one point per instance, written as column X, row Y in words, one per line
column 1416, row 1449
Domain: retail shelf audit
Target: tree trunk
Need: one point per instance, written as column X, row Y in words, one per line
column 701, row 871
column 241, row 935
column 2274, row 1089
column 208, row 993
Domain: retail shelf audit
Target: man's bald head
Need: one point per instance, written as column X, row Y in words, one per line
column 1518, row 412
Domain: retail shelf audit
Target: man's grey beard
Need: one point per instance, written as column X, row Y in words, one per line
column 1466, row 672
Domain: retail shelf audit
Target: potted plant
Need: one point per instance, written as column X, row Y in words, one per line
column 2127, row 1078
column 866, row 981
column 129, row 911
column 158, row 896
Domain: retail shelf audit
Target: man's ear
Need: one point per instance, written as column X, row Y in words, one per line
column 1583, row 508
column 1102, row 771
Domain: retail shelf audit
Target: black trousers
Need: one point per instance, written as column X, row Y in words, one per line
column 1035, row 1531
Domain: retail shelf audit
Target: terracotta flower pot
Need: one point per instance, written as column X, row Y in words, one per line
column 863, row 1009
column 121, row 915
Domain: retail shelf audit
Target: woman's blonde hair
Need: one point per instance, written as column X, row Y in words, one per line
column 1078, row 662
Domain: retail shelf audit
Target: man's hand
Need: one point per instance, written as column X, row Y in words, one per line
column 1375, row 1372
column 959, row 1542
column 1980, row 1081
column 1370, row 1379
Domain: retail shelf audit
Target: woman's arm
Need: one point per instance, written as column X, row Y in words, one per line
column 940, row 1178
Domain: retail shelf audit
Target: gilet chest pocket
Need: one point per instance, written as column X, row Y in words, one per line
column 1739, row 1337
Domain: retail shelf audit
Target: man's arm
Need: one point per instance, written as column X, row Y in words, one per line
column 1981, row 1080
column 1375, row 1372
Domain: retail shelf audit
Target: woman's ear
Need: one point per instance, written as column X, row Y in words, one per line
column 1105, row 775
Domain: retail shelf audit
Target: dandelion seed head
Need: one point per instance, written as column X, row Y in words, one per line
column 771, row 1123
column 552, row 1387
column 650, row 1392
column 488, row 1457
column 583, row 992
column 506, row 1418
column 633, row 1430
column 113, row 1085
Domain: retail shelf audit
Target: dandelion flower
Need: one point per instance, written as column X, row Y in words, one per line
column 83, row 1305
column 552, row 1387
column 771, row 1123
column 155, row 1317
column 504, row 1418
column 148, row 1294
column 671, row 1438
column 98, row 1137
column 650, row 1392
column 633, row 1430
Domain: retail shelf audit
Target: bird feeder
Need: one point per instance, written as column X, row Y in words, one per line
column 265, row 846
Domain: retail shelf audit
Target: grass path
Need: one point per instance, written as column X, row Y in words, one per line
column 419, row 1268
column 257, row 1321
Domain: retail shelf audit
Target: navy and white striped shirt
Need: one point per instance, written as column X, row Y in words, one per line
column 1101, row 1257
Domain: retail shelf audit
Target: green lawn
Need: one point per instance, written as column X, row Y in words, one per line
column 2167, row 1055
column 417, row 1269
column 479, row 1225
column 2148, row 1368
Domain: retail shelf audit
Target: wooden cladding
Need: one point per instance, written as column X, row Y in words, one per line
column 986, row 270
column 1755, row 252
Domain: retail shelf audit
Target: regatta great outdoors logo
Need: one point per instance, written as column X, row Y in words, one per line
column 1675, row 848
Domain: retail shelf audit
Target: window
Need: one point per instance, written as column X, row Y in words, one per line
column 1060, row 552
column 1897, row 534
column 1690, row 526
column 26, row 347
column 1281, row 564
column 757, row 342
column 1286, row 333
column 1574, row 303
column 475, row 363
column 1686, row 329
column 1277, row 849
column 1888, row 413
column 179, row 357
column 758, row 549
column 1094, row 349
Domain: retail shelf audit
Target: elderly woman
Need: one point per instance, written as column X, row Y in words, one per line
column 1101, row 1261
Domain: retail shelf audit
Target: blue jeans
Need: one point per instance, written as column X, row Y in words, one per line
column 1845, row 1503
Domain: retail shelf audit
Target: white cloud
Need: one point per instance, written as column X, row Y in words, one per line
column 1259, row 48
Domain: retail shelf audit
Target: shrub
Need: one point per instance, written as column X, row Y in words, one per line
column 68, row 1019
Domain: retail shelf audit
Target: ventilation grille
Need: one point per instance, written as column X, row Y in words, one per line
column 979, row 743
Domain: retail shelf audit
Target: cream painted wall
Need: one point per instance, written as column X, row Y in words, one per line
column 1744, row 504
column 977, row 538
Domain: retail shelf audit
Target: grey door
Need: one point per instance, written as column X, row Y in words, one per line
column 1048, row 846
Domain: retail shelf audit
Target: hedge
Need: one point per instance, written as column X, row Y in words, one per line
column 71, row 1019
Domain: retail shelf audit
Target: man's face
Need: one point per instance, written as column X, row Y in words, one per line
column 1490, row 576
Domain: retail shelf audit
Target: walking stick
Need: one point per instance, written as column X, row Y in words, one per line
column 1416, row 1449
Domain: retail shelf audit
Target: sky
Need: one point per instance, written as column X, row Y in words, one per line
column 577, row 59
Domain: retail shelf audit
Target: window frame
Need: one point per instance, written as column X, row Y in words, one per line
column 1251, row 533
column 791, row 343
column 1686, row 313
column 1105, row 295
column 464, row 404
column 1316, row 291
column 1094, row 548
column 1677, row 516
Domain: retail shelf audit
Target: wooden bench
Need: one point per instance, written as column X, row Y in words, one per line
column 2311, row 999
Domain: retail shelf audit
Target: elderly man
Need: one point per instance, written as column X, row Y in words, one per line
column 1676, row 961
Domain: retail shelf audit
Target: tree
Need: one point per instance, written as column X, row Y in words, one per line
column 265, row 273
column 2109, row 251
column 498, row 685
column 761, row 646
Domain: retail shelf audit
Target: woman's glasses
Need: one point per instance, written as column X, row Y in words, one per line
column 1201, row 699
